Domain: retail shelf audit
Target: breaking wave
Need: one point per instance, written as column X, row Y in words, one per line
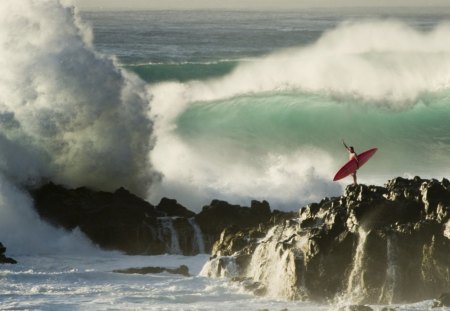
column 272, row 128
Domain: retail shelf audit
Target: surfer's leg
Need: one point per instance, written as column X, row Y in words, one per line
column 354, row 178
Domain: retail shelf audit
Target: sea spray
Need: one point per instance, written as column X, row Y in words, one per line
column 447, row 230
column 64, row 106
column 198, row 241
column 388, row 292
column 278, row 267
column 170, row 235
column 256, row 127
column 356, row 289
column 24, row 233
column 220, row 267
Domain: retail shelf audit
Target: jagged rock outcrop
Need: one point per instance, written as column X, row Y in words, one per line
column 442, row 301
column 182, row 270
column 3, row 258
column 371, row 245
column 171, row 208
column 118, row 220
column 123, row 221
column 238, row 221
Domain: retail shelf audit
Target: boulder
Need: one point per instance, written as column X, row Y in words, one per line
column 183, row 270
column 3, row 258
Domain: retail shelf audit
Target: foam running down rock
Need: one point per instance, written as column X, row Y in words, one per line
column 391, row 244
column 378, row 245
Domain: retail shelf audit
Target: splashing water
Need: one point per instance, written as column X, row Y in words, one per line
column 63, row 106
column 356, row 290
column 388, row 291
column 198, row 237
column 277, row 267
column 168, row 227
column 220, row 267
column 272, row 128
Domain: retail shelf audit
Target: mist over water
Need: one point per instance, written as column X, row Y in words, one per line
column 272, row 128
column 68, row 113
column 259, row 126
column 254, row 111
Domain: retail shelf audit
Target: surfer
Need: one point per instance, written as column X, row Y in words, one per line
column 352, row 155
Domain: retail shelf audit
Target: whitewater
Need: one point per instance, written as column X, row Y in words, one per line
column 194, row 106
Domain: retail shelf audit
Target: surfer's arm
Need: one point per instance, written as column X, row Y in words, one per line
column 346, row 147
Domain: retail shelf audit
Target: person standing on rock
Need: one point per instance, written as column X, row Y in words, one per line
column 352, row 155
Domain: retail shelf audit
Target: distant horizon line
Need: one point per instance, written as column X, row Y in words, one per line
column 104, row 9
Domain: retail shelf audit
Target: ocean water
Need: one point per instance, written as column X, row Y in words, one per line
column 199, row 105
column 88, row 283
column 254, row 105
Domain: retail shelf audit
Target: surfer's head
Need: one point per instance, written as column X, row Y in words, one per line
column 351, row 149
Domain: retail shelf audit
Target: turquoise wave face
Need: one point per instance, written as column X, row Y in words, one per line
column 273, row 127
column 414, row 140
column 182, row 72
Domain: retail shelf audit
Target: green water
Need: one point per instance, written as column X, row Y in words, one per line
column 415, row 140
column 182, row 72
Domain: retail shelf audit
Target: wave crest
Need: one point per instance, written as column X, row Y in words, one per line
column 74, row 116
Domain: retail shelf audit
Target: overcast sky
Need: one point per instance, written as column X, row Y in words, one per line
column 246, row 4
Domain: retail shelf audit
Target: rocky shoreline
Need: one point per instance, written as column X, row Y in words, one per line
column 373, row 244
column 125, row 222
column 377, row 245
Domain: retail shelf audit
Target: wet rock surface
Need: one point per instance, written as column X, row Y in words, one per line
column 442, row 301
column 182, row 270
column 123, row 221
column 3, row 258
column 372, row 245
column 118, row 220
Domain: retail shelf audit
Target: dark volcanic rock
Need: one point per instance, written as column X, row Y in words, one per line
column 371, row 245
column 123, row 221
column 183, row 270
column 3, row 258
column 220, row 216
column 170, row 207
column 118, row 220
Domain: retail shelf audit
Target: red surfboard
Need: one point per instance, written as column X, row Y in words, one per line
column 350, row 167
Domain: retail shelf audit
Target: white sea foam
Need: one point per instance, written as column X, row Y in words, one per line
column 382, row 62
column 63, row 107
column 68, row 113
column 447, row 230
column 287, row 181
column 276, row 267
column 23, row 232
column 385, row 61
column 356, row 290
column 88, row 281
